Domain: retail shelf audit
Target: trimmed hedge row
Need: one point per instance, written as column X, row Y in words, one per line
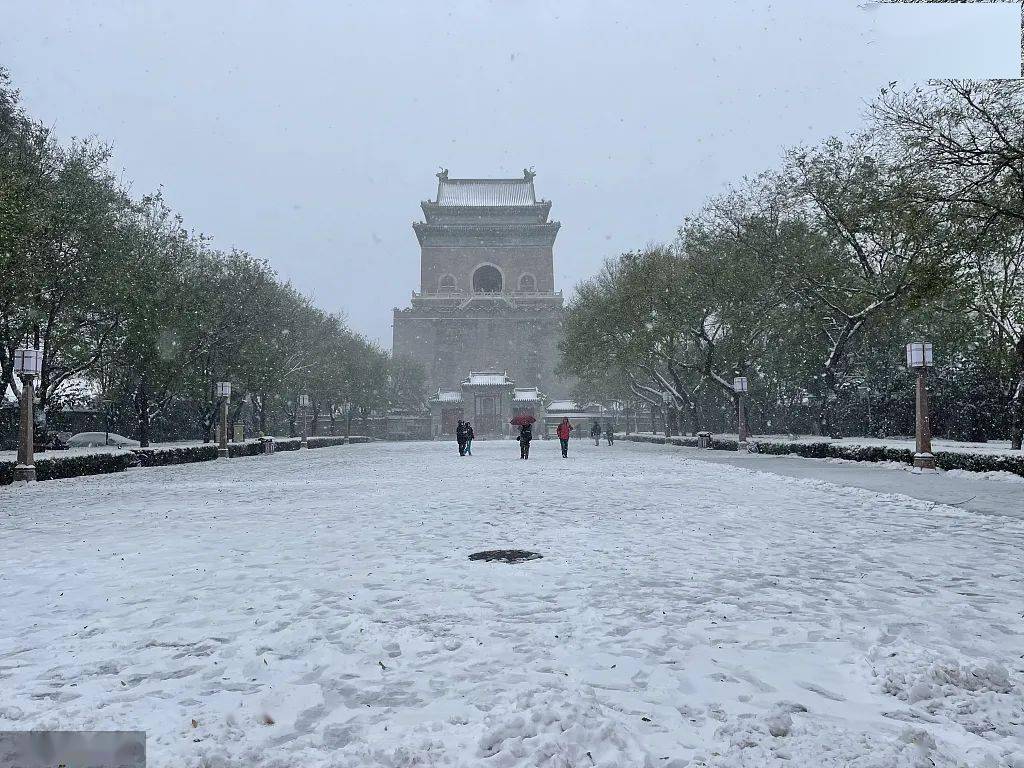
column 971, row 462
column 163, row 457
column 58, row 467
column 74, row 466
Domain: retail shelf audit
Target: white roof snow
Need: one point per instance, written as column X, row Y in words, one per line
column 526, row 394
column 485, row 192
column 562, row 405
column 448, row 397
column 487, row 379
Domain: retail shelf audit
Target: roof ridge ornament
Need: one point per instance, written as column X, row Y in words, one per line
column 528, row 174
column 443, row 174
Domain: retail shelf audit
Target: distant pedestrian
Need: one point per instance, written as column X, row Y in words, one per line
column 595, row 432
column 469, row 439
column 525, row 436
column 563, row 432
column 460, row 437
column 609, row 433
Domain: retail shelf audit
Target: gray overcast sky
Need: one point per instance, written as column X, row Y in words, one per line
column 308, row 135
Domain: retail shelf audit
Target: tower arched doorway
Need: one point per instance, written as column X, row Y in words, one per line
column 487, row 279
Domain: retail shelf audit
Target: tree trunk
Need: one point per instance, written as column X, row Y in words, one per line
column 142, row 411
column 40, row 433
column 1017, row 415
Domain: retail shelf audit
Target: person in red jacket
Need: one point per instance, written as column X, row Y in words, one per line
column 563, row 435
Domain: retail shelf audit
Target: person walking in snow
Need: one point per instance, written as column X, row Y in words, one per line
column 525, row 436
column 460, row 437
column 609, row 433
column 563, row 432
column 469, row 439
column 595, row 432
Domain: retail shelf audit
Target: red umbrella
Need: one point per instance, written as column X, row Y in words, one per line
column 522, row 420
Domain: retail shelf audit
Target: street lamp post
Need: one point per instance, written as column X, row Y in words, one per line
column 224, row 393
column 739, row 386
column 666, row 400
column 303, row 405
column 28, row 363
column 919, row 358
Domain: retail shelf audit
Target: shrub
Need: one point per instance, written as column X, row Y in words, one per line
column 162, row 457
column 248, row 448
column 325, row 442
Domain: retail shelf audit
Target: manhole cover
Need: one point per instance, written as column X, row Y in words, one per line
column 505, row 555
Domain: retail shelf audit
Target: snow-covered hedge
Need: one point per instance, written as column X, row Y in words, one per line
column 971, row 462
column 325, row 442
column 162, row 457
column 56, row 467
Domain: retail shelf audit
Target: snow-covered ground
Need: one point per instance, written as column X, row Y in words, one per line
column 318, row 608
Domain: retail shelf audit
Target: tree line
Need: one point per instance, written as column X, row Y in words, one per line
column 135, row 312
column 810, row 278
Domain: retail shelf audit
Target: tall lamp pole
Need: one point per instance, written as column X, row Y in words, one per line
column 919, row 358
column 303, row 405
column 666, row 400
column 28, row 363
column 739, row 386
column 224, row 393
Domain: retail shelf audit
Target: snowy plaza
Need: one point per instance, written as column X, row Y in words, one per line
column 320, row 608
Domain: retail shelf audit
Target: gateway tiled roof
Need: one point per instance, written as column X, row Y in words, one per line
column 525, row 395
column 448, row 397
column 487, row 379
column 562, row 405
column 485, row 192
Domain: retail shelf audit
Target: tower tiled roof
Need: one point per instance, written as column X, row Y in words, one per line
column 485, row 192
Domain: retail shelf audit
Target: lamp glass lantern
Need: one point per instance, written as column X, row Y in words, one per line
column 303, row 401
column 919, row 354
column 666, row 398
column 28, row 361
column 739, row 384
column 224, row 389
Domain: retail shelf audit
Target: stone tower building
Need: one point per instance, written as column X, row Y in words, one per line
column 487, row 299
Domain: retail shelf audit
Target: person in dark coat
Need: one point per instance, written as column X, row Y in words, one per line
column 525, row 436
column 609, row 433
column 460, row 437
column 563, row 432
column 469, row 439
column 595, row 432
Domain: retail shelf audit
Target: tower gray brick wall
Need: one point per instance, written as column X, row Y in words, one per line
column 505, row 320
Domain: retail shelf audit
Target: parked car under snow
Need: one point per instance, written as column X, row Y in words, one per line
column 94, row 439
